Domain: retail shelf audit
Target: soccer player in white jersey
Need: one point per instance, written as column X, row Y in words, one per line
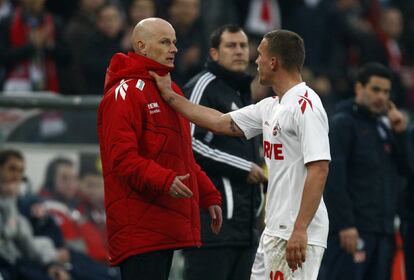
column 296, row 148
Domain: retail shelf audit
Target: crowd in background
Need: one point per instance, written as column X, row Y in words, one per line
column 65, row 47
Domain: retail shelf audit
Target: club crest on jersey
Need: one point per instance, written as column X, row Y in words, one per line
column 276, row 129
column 304, row 101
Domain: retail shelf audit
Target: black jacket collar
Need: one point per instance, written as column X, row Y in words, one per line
column 238, row 81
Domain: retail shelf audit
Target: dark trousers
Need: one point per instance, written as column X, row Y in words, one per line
column 149, row 266
column 221, row 263
column 339, row 265
column 408, row 241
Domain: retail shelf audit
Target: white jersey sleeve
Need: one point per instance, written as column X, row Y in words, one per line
column 249, row 119
column 312, row 129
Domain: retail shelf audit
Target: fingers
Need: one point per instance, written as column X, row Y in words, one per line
column 256, row 175
column 154, row 75
column 216, row 218
column 350, row 245
column 391, row 105
column 295, row 255
column 348, row 240
column 178, row 189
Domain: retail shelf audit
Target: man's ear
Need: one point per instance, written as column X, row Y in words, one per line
column 141, row 48
column 214, row 54
column 274, row 63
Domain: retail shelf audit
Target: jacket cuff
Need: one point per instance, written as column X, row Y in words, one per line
column 212, row 199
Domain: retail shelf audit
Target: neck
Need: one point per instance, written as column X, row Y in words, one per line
column 284, row 82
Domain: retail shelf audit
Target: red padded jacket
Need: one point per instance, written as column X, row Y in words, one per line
column 144, row 144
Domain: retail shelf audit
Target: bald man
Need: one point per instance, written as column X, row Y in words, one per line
column 153, row 186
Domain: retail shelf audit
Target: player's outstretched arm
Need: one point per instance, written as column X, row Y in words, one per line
column 205, row 117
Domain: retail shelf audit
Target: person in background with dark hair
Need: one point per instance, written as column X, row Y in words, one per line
column 91, row 206
column 296, row 149
column 229, row 162
column 407, row 226
column 61, row 181
column 369, row 154
column 101, row 45
column 22, row 254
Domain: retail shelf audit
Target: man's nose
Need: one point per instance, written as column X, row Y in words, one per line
column 174, row 48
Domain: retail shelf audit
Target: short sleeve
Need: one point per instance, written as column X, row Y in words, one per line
column 249, row 119
column 313, row 129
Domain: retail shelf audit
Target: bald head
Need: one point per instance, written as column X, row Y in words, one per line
column 148, row 28
column 155, row 39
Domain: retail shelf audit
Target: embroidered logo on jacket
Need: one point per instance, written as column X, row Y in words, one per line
column 121, row 89
column 303, row 101
column 153, row 108
column 140, row 85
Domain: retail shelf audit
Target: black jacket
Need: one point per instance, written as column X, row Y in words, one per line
column 364, row 180
column 408, row 196
column 226, row 160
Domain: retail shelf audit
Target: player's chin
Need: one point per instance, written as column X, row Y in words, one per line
column 169, row 62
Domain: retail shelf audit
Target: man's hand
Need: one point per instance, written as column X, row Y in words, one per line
column 178, row 189
column 296, row 249
column 256, row 175
column 164, row 85
column 216, row 218
column 349, row 239
column 397, row 119
column 63, row 255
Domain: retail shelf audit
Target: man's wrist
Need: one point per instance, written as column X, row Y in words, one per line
column 300, row 226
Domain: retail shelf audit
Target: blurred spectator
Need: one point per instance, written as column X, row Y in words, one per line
column 102, row 44
column 184, row 15
column 31, row 47
column 263, row 16
column 387, row 48
column 22, row 255
column 77, row 35
column 369, row 156
column 60, row 190
column 215, row 13
column 62, row 8
column 5, row 9
column 61, row 181
column 91, row 207
column 408, row 215
column 309, row 18
column 137, row 11
column 351, row 33
column 231, row 163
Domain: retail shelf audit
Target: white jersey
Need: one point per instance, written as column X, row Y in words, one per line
column 295, row 132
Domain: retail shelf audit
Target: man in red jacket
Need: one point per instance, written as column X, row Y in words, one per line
column 153, row 186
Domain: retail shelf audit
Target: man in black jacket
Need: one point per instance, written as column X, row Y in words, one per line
column 369, row 145
column 408, row 215
column 230, row 163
